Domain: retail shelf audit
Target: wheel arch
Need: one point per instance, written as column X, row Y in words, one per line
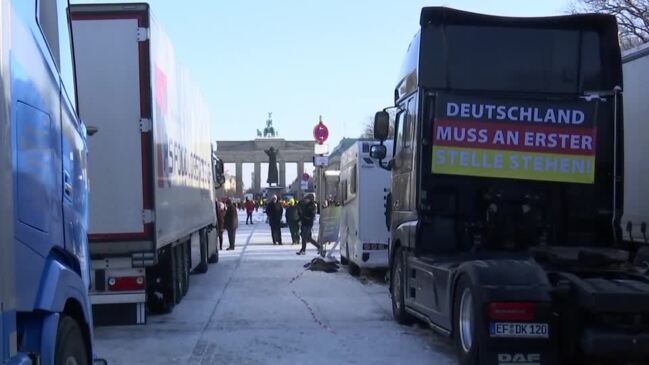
column 59, row 284
column 61, row 293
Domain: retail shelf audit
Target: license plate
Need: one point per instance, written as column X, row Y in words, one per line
column 521, row 330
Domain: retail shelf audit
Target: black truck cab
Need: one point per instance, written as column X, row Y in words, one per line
column 507, row 190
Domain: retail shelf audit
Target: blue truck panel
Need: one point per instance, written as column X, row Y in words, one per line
column 43, row 187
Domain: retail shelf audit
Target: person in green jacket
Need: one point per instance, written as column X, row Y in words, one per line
column 293, row 221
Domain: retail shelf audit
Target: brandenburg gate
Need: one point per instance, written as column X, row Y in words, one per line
column 266, row 148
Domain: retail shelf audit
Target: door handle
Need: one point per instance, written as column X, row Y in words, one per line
column 67, row 187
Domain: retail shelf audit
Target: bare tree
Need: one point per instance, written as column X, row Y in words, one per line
column 632, row 17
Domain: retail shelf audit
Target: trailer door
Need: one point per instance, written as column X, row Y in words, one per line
column 109, row 51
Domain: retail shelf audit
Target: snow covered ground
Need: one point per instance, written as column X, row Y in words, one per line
column 259, row 306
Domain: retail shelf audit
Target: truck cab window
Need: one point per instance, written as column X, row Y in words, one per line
column 66, row 61
column 398, row 140
column 405, row 136
column 408, row 126
column 53, row 20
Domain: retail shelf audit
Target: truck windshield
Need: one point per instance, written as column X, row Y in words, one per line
column 517, row 59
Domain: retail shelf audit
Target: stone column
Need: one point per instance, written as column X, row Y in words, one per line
column 257, row 182
column 300, row 172
column 282, row 174
column 239, row 172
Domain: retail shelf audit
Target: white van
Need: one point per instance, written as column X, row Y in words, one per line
column 363, row 188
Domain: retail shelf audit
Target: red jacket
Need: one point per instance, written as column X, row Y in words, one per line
column 250, row 206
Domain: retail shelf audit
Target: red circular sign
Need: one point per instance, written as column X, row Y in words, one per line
column 305, row 177
column 320, row 132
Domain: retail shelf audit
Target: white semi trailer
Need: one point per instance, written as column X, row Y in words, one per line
column 635, row 67
column 152, row 215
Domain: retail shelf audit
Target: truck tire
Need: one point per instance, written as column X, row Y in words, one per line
column 214, row 258
column 201, row 268
column 178, row 273
column 162, row 291
column 70, row 344
column 397, row 289
column 180, row 267
column 186, row 266
column 465, row 309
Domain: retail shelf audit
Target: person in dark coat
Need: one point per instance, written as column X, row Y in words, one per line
column 220, row 219
column 274, row 212
column 307, row 211
column 231, row 222
column 293, row 221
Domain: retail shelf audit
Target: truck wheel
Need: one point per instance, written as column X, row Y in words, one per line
column 160, row 298
column 188, row 267
column 467, row 340
column 178, row 273
column 214, row 258
column 162, row 282
column 397, row 286
column 70, row 344
column 173, row 295
column 182, row 254
column 172, row 275
column 201, row 268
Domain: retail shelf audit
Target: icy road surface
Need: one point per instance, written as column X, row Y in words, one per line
column 259, row 306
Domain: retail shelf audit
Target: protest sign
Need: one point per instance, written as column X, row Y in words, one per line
column 524, row 140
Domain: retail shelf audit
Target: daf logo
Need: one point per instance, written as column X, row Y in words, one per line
column 519, row 359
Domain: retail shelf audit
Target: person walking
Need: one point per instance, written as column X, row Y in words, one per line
column 307, row 211
column 250, row 207
column 231, row 222
column 220, row 221
column 293, row 221
column 274, row 212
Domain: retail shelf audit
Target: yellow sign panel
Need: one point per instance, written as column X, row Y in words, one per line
column 514, row 164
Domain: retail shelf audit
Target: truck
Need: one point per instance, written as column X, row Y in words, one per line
column 363, row 185
column 151, row 169
column 635, row 66
column 45, row 315
column 507, row 191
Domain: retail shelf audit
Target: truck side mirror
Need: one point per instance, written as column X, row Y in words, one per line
column 381, row 125
column 378, row 151
column 91, row 130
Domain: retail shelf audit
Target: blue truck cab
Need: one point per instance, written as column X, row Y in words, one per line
column 45, row 313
